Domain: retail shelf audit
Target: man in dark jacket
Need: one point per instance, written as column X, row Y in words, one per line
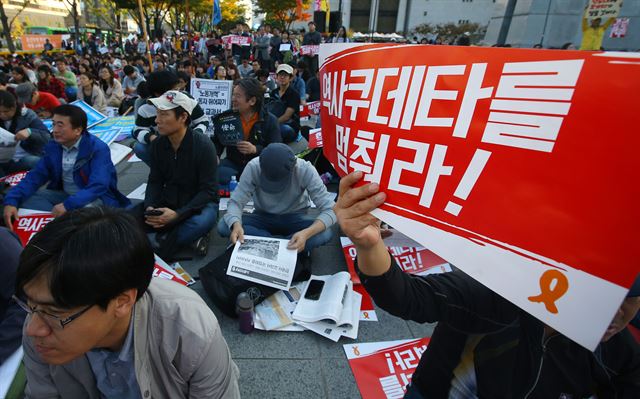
column 77, row 166
column 259, row 129
column 180, row 203
column 484, row 346
column 11, row 316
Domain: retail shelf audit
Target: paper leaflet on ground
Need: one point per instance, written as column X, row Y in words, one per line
column 264, row 261
column 28, row 225
column 174, row 273
column 367, row 310
column 486, row 158
column 274, row 313
column 13, row 179
column 138, row 193
column 8, row 370
column 124, row 123
column 118, row 152
column 224, row 204
column 384, row 369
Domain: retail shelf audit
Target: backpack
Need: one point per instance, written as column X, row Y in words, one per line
column 223, row 289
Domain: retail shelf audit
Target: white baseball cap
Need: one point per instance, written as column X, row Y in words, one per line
column 173, row 99
column 285, row 68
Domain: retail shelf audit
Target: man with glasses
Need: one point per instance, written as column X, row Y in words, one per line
column 99, row 326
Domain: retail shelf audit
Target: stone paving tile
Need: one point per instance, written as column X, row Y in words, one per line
column 283, row 378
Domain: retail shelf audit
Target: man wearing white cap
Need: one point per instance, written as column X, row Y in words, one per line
column 181, row 197
column 285, row 104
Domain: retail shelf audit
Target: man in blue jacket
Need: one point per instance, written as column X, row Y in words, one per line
column 77, row 166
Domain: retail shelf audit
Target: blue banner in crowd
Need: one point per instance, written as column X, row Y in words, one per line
column 93, row 116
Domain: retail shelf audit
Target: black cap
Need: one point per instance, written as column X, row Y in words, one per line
column 276, row 167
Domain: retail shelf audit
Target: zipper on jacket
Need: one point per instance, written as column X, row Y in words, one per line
column 544, row 350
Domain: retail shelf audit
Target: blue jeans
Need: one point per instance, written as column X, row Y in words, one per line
column 288, row 133
column 226, row 169
column 197, row 225
column 283, row 226
column 44, row 200
column 142, row 151
column 25, row 163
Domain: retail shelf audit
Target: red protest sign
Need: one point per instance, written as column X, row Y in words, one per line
column 312, row 108
column 315, row 138
column 498, row 161
column 383, row 369
column 27, row 226
column 13, row 179
column 310, row 49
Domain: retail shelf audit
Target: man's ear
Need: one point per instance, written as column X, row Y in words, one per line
column 124, row 302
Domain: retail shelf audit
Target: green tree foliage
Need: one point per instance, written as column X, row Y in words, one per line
column 283, row 13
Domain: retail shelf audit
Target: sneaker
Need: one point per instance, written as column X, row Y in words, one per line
column 202, row 245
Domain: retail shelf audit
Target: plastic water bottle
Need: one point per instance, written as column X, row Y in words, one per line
column 326, row 177
column 245, row 314
column 233, row 184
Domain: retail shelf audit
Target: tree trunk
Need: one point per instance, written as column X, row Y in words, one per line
column 6, row 29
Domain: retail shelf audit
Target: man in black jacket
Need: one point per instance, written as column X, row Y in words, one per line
column 181, row 196
column 484, row 346
column 259, row 128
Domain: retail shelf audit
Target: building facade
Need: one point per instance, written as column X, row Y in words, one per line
column 554, row 23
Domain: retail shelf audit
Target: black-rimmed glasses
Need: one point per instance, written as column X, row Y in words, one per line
column 51, row 320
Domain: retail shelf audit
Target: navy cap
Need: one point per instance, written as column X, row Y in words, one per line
column 276, row 167
column 635, row 288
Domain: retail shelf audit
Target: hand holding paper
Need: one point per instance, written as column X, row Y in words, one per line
column 237, row 233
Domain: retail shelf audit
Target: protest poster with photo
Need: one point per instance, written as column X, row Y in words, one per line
column 497, row 160
column 93, row 116
column 384, row 369
column 27, row 226
column 263, row 260
column 13, row 179
column 228, row 129
column 214, row 96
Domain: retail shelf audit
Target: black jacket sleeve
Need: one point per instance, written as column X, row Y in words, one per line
column 270, row 132
column 11, row 315
column 153, row 192
column 454, row 298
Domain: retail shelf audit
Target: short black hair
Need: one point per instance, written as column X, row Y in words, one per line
column 90, row 256
column 252, row 88
column 46, row 69
column 160, row 82
column 178, row 111
column 76, row 115
column 128, row 70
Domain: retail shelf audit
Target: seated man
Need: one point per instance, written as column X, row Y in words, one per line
column 181, row 199
column 98, row 324
column 259, row 129
column 132, row 79
column 41, row 102
column 285, row 104
column 280, row 185
column 146, row 130
column 483, row 345
column 77, row 166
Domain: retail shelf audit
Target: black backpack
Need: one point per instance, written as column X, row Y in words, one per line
column 223, row 289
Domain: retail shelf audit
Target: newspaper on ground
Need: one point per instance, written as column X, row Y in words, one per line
column 118, row 152
column 274, row 313
column 348, row 329
column 263, row 260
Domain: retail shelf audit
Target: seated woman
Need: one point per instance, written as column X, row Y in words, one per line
column 30, row 136
column 91, row 93
column 111, row 87
column 259, row 129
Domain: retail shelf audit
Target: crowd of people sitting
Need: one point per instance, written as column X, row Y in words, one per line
column 123, row 346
